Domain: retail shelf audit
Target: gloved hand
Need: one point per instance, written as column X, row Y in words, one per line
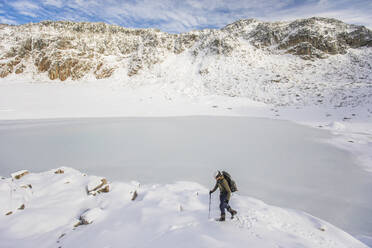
column 227, row 201
column 210, row 192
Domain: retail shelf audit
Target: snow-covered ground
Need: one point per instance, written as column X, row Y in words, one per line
column 351, row 129
column 19, row 99
column 62, row 208
column 279, row 162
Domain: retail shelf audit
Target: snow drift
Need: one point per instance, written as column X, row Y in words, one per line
column 58, row 208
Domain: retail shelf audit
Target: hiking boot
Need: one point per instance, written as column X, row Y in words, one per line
column 232, row 212
column 222, row 218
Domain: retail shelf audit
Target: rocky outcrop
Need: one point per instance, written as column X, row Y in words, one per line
column 68, row 50
column 59, row 171
column 357, row 38
column 19, row 174
column 313, row 37
column 98, row 185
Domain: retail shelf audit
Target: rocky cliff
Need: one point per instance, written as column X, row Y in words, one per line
column 247, row 58
column 72, row 50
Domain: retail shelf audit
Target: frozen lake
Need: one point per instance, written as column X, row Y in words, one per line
column 279, row 162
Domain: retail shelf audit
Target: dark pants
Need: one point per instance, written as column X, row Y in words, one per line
column 223, row 203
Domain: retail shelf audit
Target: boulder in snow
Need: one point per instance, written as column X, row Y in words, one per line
column 90, row 215
column 59, row 171
column 28, row 186
column 104, row 189
column 98, row 185
column 19, row 174
column 133, row 195
column 322, row 228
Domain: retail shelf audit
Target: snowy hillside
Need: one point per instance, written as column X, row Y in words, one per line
column 66, row 208
column 309, row 61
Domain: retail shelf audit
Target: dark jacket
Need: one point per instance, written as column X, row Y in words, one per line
column 223, row 186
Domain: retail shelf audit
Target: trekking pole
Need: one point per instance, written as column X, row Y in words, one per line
column 209, row 211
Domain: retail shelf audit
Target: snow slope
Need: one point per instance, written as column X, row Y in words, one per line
column 62, row 208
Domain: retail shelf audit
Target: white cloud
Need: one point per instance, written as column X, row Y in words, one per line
column 181, row 16
column 325, row 8
column 55, row 3
column 28, row 13
column 5, row 20
column 25, row 5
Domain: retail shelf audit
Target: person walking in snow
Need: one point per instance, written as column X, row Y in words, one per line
column 225, row 194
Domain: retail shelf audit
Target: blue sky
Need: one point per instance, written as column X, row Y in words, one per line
column 184, row 15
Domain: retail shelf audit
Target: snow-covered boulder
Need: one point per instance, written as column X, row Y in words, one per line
column 59, row 171
column 98, row 185
column 19, row 174
column 336, row 125
column 90, row 215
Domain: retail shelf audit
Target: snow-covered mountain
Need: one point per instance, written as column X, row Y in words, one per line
column 308, row 60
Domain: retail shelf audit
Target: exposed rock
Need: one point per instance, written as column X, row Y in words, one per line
column 64, row 43
column 9, row 213
column 103, row 182
column 53, row 72
column 22, row 207
column 105, row 189
column 5, row 69
column 66, row 49
column 89, row 216
column 204, row 71
column 322, row 228
column 28, row 186
column 44, row 64
column 62, row 69
column 20, row 69
column 19, row 174
column 358, row 38
column 98, row 185
column 16, row 61
column 306, row 51
column 80, row 70
column 134, row 195
column 59, row 171
column 102, row 72
column 329, row 36
column 135, row 66
column 39, row 44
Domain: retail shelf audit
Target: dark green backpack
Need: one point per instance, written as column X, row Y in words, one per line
column 230, row 182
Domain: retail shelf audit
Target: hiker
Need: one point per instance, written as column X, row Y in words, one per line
column 225, row 193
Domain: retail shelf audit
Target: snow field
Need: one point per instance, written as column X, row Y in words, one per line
column 162, row 215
